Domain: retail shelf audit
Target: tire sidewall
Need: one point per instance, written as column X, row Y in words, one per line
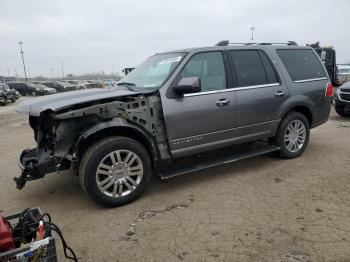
column 279, row 141
column 88, row 176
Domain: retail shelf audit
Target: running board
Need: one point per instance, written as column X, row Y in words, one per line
column 213, row 158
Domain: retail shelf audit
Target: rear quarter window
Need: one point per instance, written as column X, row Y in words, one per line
column 301, row 64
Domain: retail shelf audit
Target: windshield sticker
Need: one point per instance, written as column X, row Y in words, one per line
column 171, row 60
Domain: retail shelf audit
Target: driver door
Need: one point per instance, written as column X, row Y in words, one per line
column 205, row 120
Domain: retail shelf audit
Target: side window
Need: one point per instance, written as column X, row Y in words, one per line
column 249, row 68
column 270, row 72
column 209, row 67
column 301, row 64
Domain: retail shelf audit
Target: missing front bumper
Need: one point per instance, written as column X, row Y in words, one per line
column 35, row 164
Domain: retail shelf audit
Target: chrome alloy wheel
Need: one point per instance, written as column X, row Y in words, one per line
column 295, row 135
column 119, row 173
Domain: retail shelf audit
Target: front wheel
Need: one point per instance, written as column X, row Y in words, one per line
column 115, row 171
column 292, row 135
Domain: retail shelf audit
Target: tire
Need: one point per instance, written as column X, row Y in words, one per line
column 116, row 191
column 340, row 110
column 289, row 149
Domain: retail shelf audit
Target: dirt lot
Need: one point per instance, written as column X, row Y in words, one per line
column 263, row 209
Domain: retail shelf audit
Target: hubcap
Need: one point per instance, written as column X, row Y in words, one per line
column 295, row 135
column 119, row 173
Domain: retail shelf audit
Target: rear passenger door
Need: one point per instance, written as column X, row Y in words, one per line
column 259, row 93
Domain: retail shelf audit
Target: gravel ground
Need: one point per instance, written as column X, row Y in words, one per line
column 262, row 209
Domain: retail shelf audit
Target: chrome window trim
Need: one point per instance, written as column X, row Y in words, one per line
column 230, row 89
column 310, row 80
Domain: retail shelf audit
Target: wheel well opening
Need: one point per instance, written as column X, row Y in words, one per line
column 305, row 111
column 117, row 131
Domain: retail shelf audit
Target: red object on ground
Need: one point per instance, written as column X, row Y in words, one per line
column 6, row 238
column 41, row 230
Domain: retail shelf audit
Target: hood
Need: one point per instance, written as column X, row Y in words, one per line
column 346, row 85
column 64, row 100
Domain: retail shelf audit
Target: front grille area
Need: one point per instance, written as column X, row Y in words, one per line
column 345, row 89
column 345, row 97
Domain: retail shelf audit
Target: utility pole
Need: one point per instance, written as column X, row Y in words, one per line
column 62, row 69
column 24, row 66
column 252, row 28
column 8, row 71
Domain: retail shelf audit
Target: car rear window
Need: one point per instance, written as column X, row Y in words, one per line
column 301, row 64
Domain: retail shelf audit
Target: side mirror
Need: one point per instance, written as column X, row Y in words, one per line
column 188, row 85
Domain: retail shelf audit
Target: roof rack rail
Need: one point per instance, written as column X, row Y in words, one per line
column 227, row 42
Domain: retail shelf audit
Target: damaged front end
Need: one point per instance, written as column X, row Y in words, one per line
column 64, row 125
column 36, row 162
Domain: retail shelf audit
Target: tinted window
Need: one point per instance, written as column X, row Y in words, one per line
column 301, row 64
column 270, row 72
column 209, row 67
column 249, row 68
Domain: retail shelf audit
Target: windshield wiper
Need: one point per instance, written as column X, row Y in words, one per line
column 126, row 84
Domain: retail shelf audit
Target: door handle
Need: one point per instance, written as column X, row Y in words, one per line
column 279, row 94
column 222, row 102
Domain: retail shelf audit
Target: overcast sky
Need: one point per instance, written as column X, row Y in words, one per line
column 91, row 36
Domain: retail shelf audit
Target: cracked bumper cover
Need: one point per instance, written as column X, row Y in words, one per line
column 34, row 163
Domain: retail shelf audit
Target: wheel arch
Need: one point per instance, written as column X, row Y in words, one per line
column 116, row 127
column 301, row 104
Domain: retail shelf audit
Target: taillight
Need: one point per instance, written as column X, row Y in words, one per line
column 329, row 90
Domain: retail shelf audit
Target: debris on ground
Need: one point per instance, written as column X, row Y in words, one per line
column 151, row 213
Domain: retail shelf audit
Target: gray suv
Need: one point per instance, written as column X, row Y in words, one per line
column 179, row 112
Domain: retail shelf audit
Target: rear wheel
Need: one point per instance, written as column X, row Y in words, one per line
column 292, row 135
column 115, row 171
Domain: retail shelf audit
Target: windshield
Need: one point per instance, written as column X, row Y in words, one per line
column 153, row 72
column 4, row 88
column 41, row 86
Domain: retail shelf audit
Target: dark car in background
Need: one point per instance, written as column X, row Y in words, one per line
column 6, row 95
column 342, row 100
column 26, row 88
column 60, row 86
column 47, row 90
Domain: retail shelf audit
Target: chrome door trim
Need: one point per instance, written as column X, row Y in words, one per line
column 310, row 80
column 230, row 89
column 221, row 131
